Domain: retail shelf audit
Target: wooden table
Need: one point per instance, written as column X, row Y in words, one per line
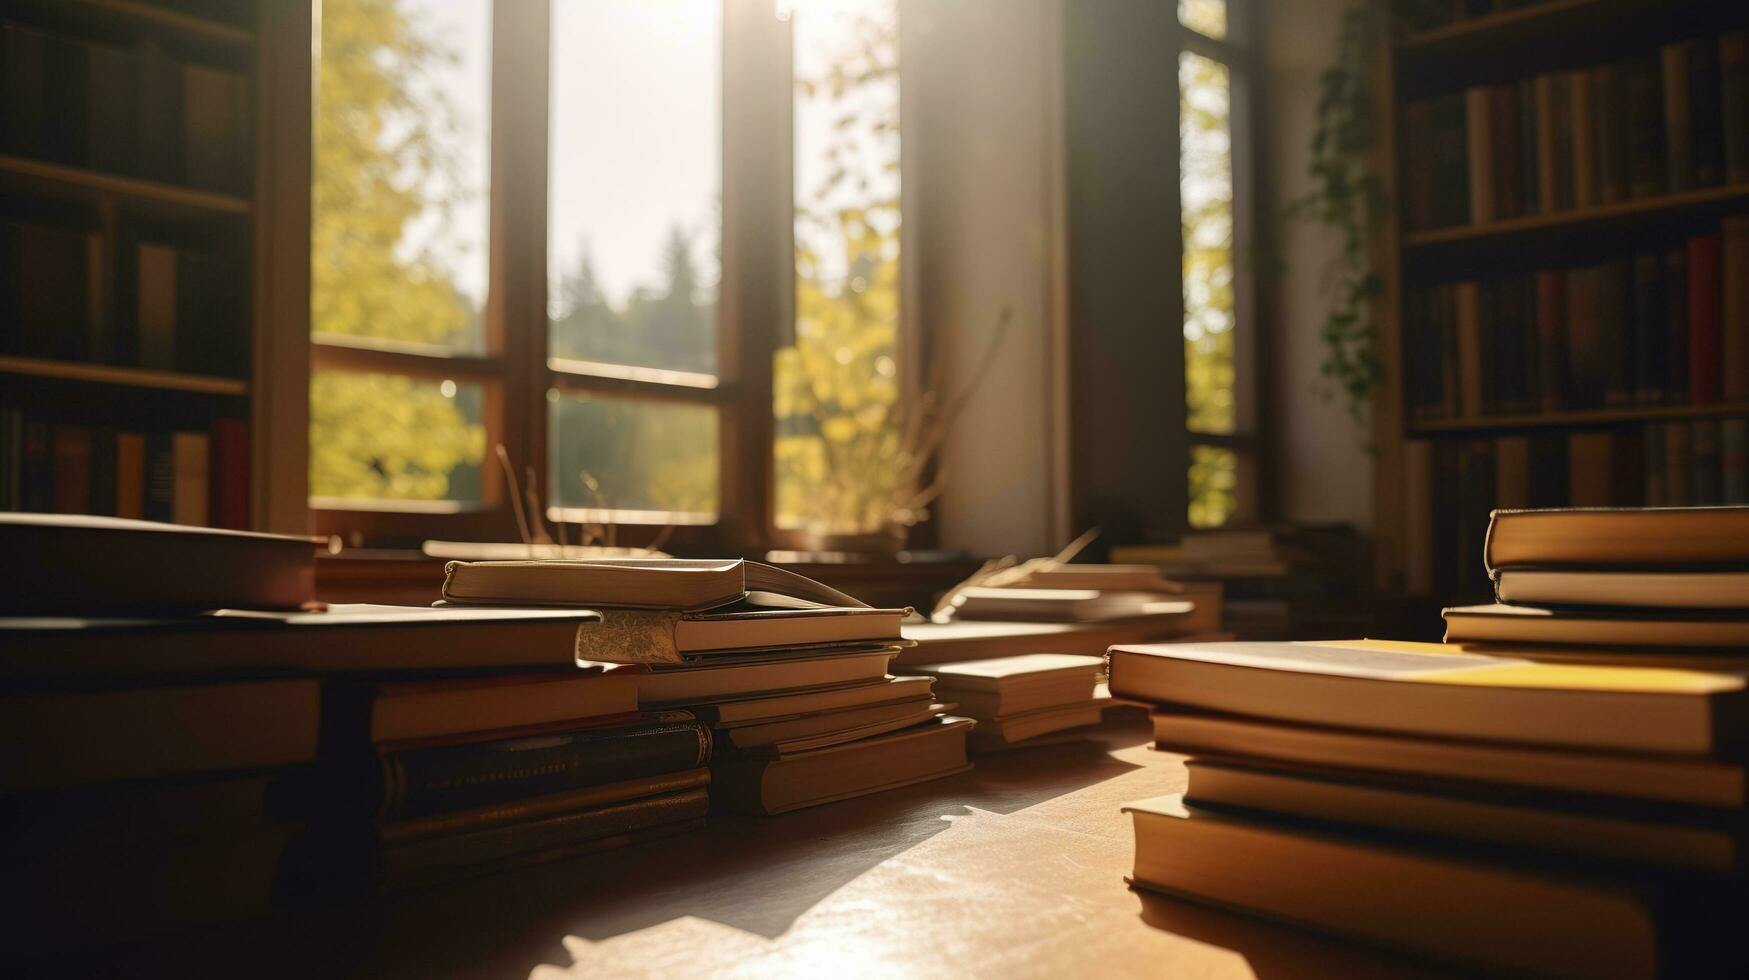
column 1014, row 869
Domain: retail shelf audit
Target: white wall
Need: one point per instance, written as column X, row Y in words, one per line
column 981, row 96
column 1324, row 470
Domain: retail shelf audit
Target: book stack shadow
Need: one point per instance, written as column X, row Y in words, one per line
column 789, row 677
column 1559, row 789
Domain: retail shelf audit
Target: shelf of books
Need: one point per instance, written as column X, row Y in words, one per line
column 1570, row 310
column 127, row 179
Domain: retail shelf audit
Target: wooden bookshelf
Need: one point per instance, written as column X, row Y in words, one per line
column 131, row 377
column 143, row 15
column 1507, row 48
column 1579, row 417
column 1583, row 219
column 79, row 184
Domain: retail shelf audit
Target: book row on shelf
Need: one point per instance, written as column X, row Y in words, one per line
column 1665, row 122
column 137, row 113
column 1452, row 485
column 188, row 477
column 1667, row 327
column 65, row 295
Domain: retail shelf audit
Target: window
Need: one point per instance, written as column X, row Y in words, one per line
column 544, row 281
column 1218, row 355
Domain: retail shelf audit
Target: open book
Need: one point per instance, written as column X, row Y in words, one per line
column 673, row 610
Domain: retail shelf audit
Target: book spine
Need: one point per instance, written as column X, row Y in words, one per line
column 1627, row 482
column 1548, row 469
column 1582, row 116
column 1547, row 149
column 1734, row 461
column 1734, row 308
column 1705, row 94
column 155, row 306
column 11, row 457
column 1589, row 475
column 1734, row 96
column 1609, row 102
column 72, row 469
column 159, row 100
column 1649, row 334
column 430, row 858
column 1551, row 333
column 1512, row 472
column 103, row 474
column 1705, row 342
column 1451, row 162
column 1676, row 325
column 1678, row 119
column 1678, row 464
column 1645, row 129
column 1529, row 172
column 130, row 475
column 37, row 482
column 1468, row 299
column 160, row 486
column 1657, row 490
column 1480, row 141
column 1704, row 484
column 191, row 486
column 1503, row 127
column 420, row 782
column 230, row 473
column 1420, row 182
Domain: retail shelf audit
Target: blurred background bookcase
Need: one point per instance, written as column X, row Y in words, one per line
column 152, row 332
column 1565, row 315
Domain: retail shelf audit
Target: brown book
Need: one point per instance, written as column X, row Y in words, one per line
column 1471, row 378
column 190, row 495
column 1734, row 101
column 1582, row 115
column 1678, row 118
column 1011, row 685
column 1609, row 132
column 1005, row 731
column 1734, row 308
column 1650, row 836
column 399, row 711
column 1432, row 690
column 1496, row 914
column 77, row 738
column 1505, row 129
column 130, row 475
column 1512, row 471
column 1480, row 140
column 1586, row 362
column 1645, row 128
column 1622, row 537
column 1553, row 135
column 715, row 682
column 792, row 781
column 763, row 706
column 1623, row 587
column 1588, row 468
column 1499, row 623
column 1678, row 464
column 72, row 477
column 1682, row 780
column 214, row 128
column 155, row 306
column 94, row 566
column 827, row 728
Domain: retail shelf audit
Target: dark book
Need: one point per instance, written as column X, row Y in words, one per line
column 1706, row 110
column 1480, row 150
column 1676, row 326
column 11, row 288
column 1734, row 308
column 92, row 566
column 1645, row 128
column 1551, row 334
column 63, row 95
column 1582, row 116
column 1589, row 461
column 1609, row 103
column 1678, row 117
column 72, row 449
column 215, row 129
column 1450, row 162
column 1653, row 459
column 1477, row 483
column 1704, row 483
column 1734, row 461
column 25, row 62
column 1548, row 470
column 211, row 335
column 230, row 473
column 1627, row 477
column 153, row 293
column 1505, row 130
column 1734, row 103
column 103, row 472
column 1615, row 325
column 1554, row 142
column 1530, row 193
column 1585, row 380
column 416, row 782
column 37, row 469
column 1678, row 464
column 1447, row 501
column 1650, row 336
column 159, row 98
column 54, row 263
column 111, row 113
column 130, row 475
column 100, row 331
column 11, row 457
column 1420, row 180
column 1705, row 341
column 160, row 477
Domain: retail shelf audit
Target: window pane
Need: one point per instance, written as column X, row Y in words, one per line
column 1206, row 17
column 837, row 384
column 1214, row 480
column 1206, row 189
column 636, row 179
column 399, row 201
column 387, row 437
column 645, row 461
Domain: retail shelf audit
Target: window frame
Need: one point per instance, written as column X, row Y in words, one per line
column 756, row 299
column 1239, row 53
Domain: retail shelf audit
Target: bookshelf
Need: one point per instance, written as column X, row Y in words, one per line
column 1560, row 374
column 153, row 222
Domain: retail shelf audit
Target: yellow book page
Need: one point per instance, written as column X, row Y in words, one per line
column 1576, row 677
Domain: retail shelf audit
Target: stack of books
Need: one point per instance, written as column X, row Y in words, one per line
column 1622, row 584
column 1016, row 699
column 789, row 675
column 1556, row 802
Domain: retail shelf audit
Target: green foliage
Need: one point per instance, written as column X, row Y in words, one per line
column 384, row 157
column 836, row 388
column 1349, row 197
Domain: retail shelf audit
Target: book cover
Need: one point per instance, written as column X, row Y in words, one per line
column 230, row 473
column 1649, row 334
column 1679, row 160
column 1504, row 129
column 1585, row 357
column 72, row 475
column 1734, row 309
column 1676, row 325
column 1588, row 468
column 1706, row 345
column 1609, row 132
column 1582, row 115
column 1479, row 136
column 1645, row 128
column 1467, row 300
column 190, row 487
column 130, row 475
column 1678, row 464
column 155, row 306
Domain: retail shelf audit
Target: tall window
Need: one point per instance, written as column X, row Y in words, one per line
column 1217, row 358
column 624, row 384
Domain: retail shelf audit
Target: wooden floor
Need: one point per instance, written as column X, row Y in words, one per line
column 1014, row 869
